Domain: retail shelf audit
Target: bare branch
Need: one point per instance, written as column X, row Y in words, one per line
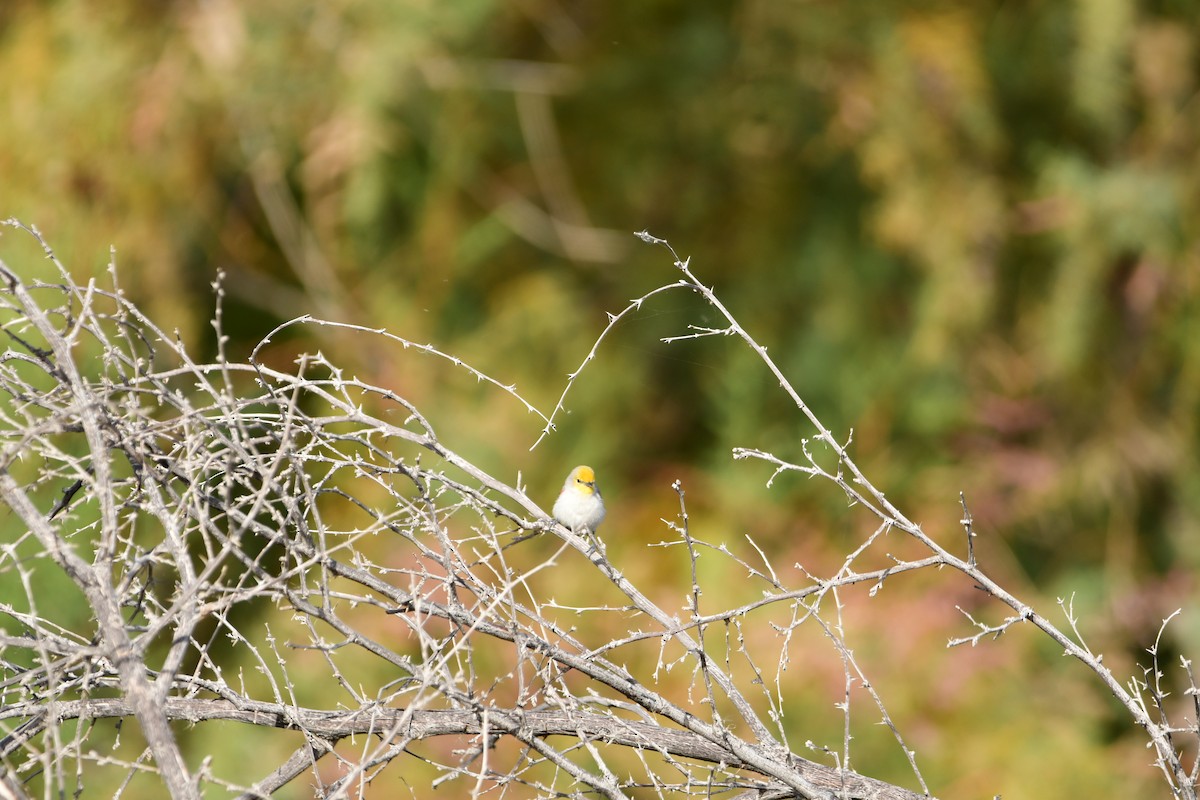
column 304, row 551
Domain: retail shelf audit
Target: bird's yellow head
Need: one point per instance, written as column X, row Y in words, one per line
column 584, row 477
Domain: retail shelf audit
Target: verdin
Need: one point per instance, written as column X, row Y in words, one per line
column 579, row 505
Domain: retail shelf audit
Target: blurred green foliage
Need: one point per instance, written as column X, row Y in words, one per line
column 968, row 232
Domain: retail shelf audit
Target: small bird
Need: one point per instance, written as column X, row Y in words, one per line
column 579, row 505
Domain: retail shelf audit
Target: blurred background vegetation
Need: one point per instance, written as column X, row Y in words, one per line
column 968, row 232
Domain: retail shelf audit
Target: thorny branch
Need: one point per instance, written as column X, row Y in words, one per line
column 241, row 534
